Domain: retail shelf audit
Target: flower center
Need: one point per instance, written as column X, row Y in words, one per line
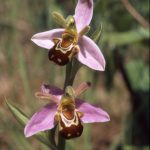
column 66, row 47
column 68, row 111
column 67, row 39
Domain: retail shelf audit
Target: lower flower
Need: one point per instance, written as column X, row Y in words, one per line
column 66, row 111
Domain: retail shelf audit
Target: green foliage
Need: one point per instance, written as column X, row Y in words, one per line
column 18, row 114
column 136, row 148
column 128, row 37
column 23, row 119
column 97, row 34
column 138, row 73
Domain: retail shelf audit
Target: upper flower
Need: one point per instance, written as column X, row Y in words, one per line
column 64, row 44
column 66, row 111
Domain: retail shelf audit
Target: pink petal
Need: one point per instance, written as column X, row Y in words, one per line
column 51, row 90
column 90, row 54
column 45, row 88
column 41, row 121
column 83, row 13
column 44, row 39
column 91, row 113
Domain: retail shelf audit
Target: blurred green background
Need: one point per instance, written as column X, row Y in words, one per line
column 122, row 90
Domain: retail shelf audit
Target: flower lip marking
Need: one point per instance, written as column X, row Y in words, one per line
column 68, row 117
column 65, row 48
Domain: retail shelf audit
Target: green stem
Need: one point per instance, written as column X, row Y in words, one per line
column 71, row 71
column 68, row 75
column 51, row 135
column 61, row 143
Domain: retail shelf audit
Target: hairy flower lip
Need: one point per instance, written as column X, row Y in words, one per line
column 89, row 54
column 44, row 119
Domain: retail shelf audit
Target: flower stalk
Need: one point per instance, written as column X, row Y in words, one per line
column 71, row 71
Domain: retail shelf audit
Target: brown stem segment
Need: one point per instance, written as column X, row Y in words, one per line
column 135, row 14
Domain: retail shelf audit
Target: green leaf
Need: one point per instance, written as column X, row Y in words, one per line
column 136, row 148
column 140, row 77
column 97, row 34
column 18, row 114
column 118, row 39
column 23, row 119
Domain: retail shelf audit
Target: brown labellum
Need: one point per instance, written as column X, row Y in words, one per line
column 70, row 128
column 69, row 122
column 59, row 55
column 68, row 117
column 63, row 50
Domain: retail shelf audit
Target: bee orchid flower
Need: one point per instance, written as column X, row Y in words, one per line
column 66, row 111
column 68, row 42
